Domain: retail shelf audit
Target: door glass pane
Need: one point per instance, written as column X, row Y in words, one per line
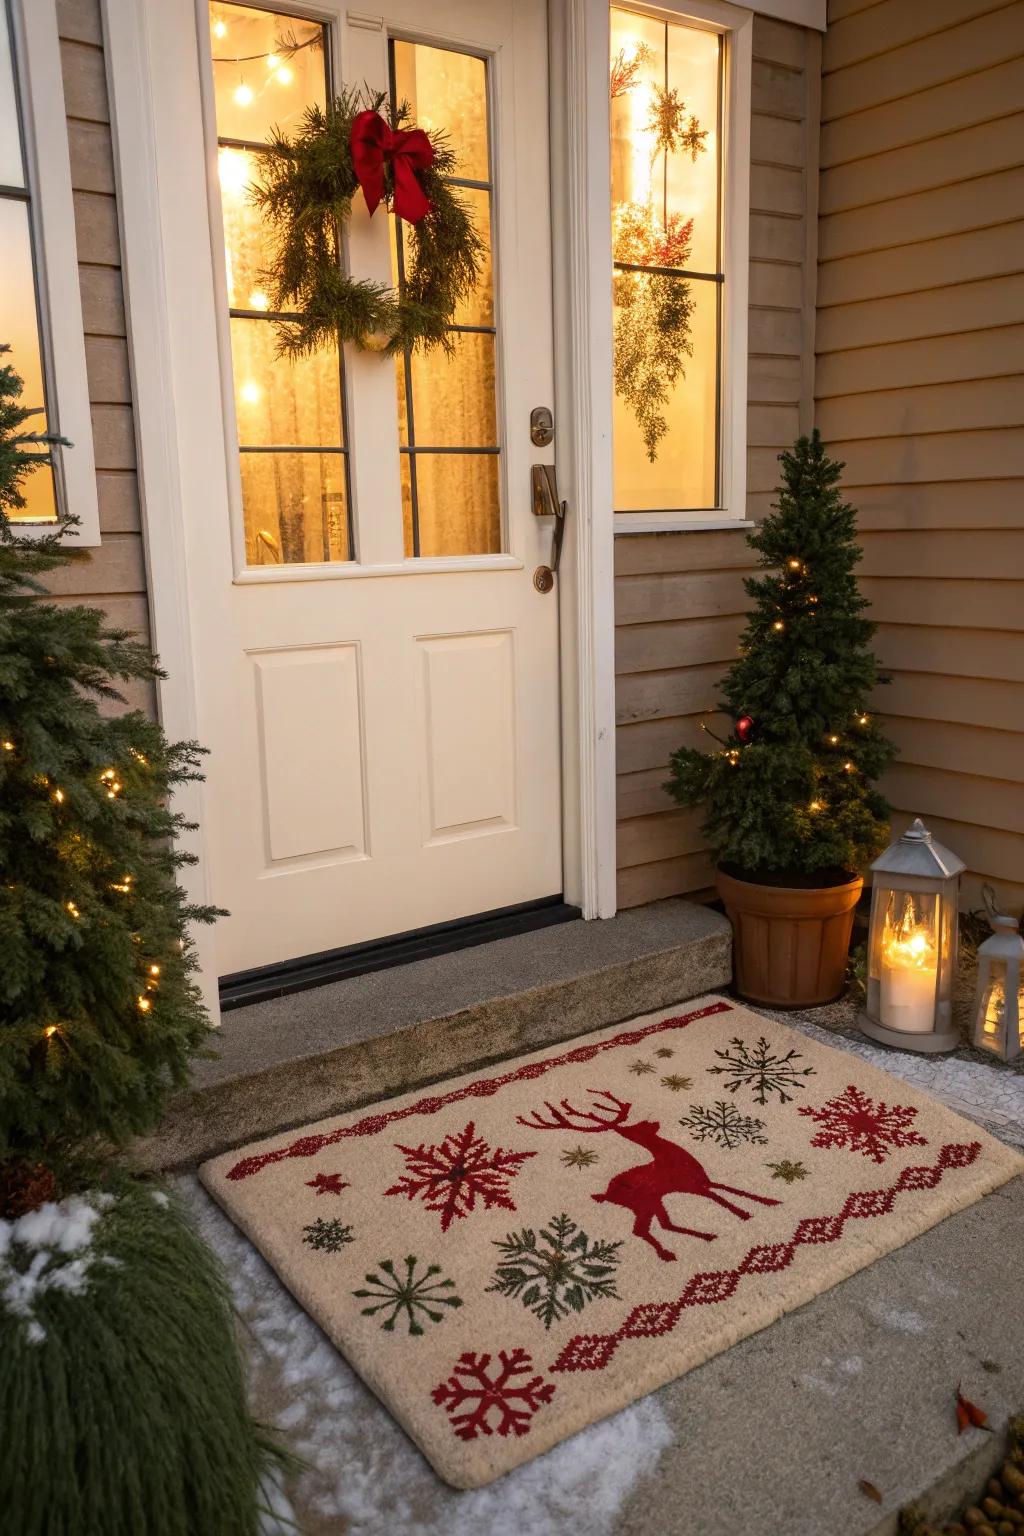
column 19, row 313
column 268, row 67
column 666, row 92
column 296, row 507
column 450, row 500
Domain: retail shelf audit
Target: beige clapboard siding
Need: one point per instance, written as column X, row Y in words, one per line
column 920, row 388
column 679, row 597
column 113, row 576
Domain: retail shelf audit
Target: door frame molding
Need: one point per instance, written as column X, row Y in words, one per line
column 582, row 249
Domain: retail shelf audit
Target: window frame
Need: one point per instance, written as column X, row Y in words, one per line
column 40, row 86
column 735, row 27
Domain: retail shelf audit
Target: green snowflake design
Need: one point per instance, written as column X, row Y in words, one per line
column 640, row 1067
column 759, row 1070
column 787, row 1170
column 724, row 1125
column 676, row 1083
column 556, row 1271
column 664, row 1050
column 414, row 1296
column 579, row 1157
column 329, row 1236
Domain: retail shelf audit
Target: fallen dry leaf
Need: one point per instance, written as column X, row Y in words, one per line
column 869, row 1490
column 969, row 1414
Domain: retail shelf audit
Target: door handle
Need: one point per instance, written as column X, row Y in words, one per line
column 547, row 504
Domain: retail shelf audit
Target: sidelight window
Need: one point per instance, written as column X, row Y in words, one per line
column 670, row 283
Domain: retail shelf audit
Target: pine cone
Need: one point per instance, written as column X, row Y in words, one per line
column 23, row 1187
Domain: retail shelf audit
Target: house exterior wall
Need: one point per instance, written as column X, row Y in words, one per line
column 679, row 597
column 920, row 390
column 112, row 576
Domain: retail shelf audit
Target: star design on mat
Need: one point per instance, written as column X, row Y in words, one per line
column 640, row 1067
column 664, row 1050
column 481, row 1393
column 788, row 1171
column 459, row 1173
column 328, row 1236
column 327, row 1184
column 853, row 1120
column 579, row 1157
column 676, row 1083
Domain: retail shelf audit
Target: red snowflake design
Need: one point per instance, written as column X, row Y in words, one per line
column 855, row 1121
column 512, row 1402
column 454, row 1175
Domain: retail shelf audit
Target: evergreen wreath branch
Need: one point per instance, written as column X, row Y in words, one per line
column 304, row 192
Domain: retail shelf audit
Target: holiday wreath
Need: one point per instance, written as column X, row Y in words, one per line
column 305, row 189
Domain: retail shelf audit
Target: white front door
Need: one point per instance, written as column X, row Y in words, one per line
column 377, row 675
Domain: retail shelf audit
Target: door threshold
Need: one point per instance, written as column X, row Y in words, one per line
column 267, row 981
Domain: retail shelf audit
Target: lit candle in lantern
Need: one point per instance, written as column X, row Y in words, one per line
column 910, row 966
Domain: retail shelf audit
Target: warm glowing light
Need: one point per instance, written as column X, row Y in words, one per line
column 848, row 767
column 70, row 906
column 272, row 61
column 778, row 626
column 154, row 970
column 220, row 29
column 258, row 299
column 910, row 965
column 250, row 392
column 816, row 805
column 8, row 746
column 834, row 741
column 794, row 565
column 233, row 171
column 50, row 1031
column 139, row 757
column 58, row 795
column 811, row 598
column 284, row 75
column 243, row 95
column 143, row 1003
column 124, row 885
column 862, row 719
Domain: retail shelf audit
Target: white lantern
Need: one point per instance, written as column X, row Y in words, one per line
column 912, row 944
column 999, row 997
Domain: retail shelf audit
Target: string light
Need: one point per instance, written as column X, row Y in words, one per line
column 8, row 746
column 50, row 1031
column 794, row 565
column 154, row 970
column 113, row 784
column 862, row 719
column 142, row 761
column 124, row 886
column 258, row 300
column 72, row 909
column 283, row 76
column 250, row 392
column 243, row 95
column 220, row 29
column 848, row 767
column 833, row 741
column 272, row 61
column 143, row 1003
column 816, row 805
column 778, row 626
column 58, row 795
column 811, row 598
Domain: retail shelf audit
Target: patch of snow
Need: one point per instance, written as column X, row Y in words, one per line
column 48, row 1249
column 160, row 1198
column 365, row 1476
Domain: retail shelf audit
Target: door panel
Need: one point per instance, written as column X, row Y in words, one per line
column 383, row 729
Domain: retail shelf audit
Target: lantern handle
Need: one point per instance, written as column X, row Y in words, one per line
column 997, row 919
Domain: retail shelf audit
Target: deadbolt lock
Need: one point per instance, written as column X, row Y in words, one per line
column 542, row 426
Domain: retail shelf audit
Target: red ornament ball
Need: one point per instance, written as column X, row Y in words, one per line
column 744, row 728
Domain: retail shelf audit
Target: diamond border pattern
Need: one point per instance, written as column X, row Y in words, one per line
column 593, row 1351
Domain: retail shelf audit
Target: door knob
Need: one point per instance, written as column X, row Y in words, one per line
column 546, row 503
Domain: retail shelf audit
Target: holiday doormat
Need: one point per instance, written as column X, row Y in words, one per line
column 519, row 1252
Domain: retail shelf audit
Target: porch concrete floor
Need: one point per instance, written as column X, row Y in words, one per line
column 769, row 1438
column 299, row 1058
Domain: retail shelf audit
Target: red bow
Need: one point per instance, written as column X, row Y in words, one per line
column 373, row 142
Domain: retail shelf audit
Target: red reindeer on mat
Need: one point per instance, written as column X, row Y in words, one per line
column 671, row 1171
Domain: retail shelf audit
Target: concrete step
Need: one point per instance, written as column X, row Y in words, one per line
column 299, row 1058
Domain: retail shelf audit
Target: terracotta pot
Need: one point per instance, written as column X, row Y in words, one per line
column 790, row 943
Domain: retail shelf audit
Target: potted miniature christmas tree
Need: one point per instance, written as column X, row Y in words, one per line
column 122, row 1392
column 792, row 815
